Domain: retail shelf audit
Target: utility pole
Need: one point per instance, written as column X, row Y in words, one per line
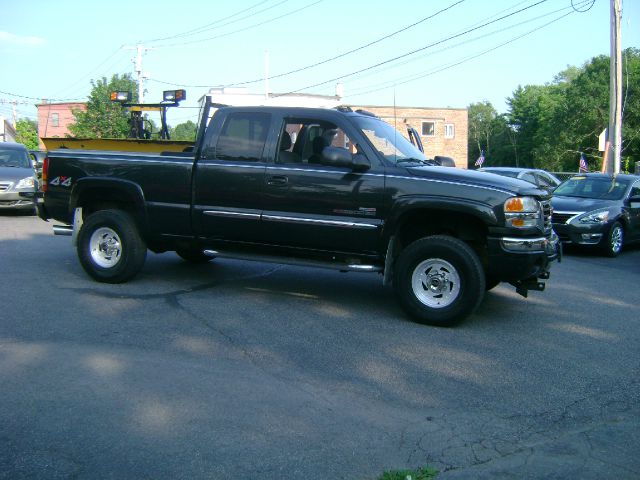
column 14, row 111
column 137, row 62
column 615, row 92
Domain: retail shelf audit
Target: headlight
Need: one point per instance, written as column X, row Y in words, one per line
column 592, row 218
column 522, row 212
column 26, row 183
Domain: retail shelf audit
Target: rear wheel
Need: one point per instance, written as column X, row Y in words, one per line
column 110, row 247
column 439, row 280
column 614, row 240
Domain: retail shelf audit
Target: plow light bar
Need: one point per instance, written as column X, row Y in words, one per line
column 174, row 95
column 120, row 96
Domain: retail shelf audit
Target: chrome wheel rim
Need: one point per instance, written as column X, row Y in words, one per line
column 435, row 283
column 105, row 247
column 617, row 237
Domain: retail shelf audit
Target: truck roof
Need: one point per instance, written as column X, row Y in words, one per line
column 341, row 110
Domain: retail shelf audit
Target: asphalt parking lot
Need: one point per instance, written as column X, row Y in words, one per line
column 240, row 370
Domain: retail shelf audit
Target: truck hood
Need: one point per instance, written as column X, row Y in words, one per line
column 580, row 204
column 474, row 178
column 14, row 174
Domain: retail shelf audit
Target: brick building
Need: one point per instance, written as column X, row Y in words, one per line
column 443, row 131
column 54, row 118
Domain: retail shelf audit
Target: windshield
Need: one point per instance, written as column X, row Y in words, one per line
column 586, row 187
column 388, row 141
column 14, row 158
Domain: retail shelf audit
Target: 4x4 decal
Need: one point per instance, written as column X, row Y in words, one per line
column 62, row 181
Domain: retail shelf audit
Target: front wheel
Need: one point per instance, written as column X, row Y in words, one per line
column 614, row 241
column 110, row 247
column 439, row 280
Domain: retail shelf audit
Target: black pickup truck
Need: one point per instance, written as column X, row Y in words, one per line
column 330, row 188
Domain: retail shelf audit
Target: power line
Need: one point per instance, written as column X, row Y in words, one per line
column 416, row 50
column 204, row 28
column 450, row 47
column 4, row 101
column 307, row 67
column 191, row 42
column 39, row 99
column 577, row 9
column 344, row 54
column 575, row 4
column 83, row 78
column 464, row 60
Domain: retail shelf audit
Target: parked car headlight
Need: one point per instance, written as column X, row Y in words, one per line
column 593, row 218
column 522, row 212
column 28, row 182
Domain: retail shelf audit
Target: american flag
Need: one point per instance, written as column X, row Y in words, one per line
column 583, row 167
column 480, row 159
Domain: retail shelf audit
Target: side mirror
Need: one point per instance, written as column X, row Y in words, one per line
column 341, row 157
column 360, row 163
column 634, row 202
column 444, row 161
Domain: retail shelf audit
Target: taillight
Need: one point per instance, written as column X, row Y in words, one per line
column 45, row 174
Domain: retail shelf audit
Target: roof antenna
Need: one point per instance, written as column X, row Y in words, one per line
column 395, row 126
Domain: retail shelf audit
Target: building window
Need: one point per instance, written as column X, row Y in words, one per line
column 55, row 120
column 428, row 129
column 449, row 130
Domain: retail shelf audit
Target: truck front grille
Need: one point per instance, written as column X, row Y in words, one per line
column 546, row 215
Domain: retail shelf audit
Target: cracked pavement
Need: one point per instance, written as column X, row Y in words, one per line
column 251, row 370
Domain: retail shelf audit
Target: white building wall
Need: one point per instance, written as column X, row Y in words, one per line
column 7, row 132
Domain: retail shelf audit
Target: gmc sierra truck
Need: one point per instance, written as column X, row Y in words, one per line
column 329, row 188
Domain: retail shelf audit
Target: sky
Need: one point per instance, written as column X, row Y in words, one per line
column 422, row 53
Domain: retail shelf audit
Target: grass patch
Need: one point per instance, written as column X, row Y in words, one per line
column 423, row 473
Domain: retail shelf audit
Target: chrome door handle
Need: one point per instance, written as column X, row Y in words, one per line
column 277, row 180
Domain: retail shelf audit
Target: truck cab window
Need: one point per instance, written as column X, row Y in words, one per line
column 302, row 140
column 243, row 137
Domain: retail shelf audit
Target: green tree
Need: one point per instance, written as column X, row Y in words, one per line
column 553, row 123
column 184, row 131
column 104, row 118
column 481, row 124
column 488, row 131
column 584, row 116
column 631, row 109
column 27, row 133
column 526, row 110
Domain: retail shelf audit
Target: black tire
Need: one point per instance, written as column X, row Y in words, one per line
column 613, row 241
column 110, row 247
column 193, row 255
column 439, row 280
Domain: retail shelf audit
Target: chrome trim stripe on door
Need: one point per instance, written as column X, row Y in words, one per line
column 281, row 218
column 228, row 214
column 306, row 221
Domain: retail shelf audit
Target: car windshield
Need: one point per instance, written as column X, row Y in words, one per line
column 389, row 142
column 586, row 187
column 14, row 158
